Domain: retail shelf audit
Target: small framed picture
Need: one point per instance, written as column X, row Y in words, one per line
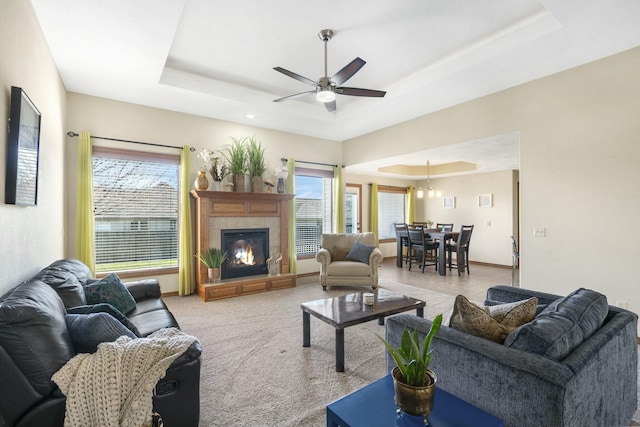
column 449, row 202
column 485, row 200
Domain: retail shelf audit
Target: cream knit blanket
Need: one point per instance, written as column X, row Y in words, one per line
column 114, row 386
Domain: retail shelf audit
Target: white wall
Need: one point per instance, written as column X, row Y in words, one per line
column 579, row 177
column 31, row 237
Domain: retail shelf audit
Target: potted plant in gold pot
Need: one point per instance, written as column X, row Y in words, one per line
column 414, row 384
column 213, row 258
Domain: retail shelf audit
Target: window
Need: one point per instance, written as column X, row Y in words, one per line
column 391, row 202
column 314, row 207
column 135, row 209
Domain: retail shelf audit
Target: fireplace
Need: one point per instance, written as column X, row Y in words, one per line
column 247, row 249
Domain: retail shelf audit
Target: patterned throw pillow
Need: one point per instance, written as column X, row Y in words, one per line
column 360, row 252
column 111, row 291
column 494, row 322
column 87, row 331
column 514, row 314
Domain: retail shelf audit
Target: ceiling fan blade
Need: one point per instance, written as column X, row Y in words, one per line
column 330, row 106
column 354, row 91
column 348, row 71
column 295, row 76
column 296, row 95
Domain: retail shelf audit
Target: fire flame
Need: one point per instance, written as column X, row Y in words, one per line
column 245, row 256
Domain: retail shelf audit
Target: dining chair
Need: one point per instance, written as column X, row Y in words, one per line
column 420, row 245
column 403, row 236
column 440, row 226
column 461, row 248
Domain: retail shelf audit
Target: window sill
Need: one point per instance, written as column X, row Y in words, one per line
column 131, row 274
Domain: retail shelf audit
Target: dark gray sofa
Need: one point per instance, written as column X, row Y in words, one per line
column 594, row 385
column 35, row 342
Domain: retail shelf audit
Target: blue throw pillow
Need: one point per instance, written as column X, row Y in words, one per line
column 88, row 330
column 562, row 326
column 111, row 290
column 360, row 252
column 105, row 308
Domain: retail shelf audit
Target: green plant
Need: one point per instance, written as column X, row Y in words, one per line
column 236, row 156
column 413, row 361
column 255, row 156
column 212, row 257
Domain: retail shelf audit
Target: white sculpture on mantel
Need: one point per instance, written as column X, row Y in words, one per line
column 273, row 264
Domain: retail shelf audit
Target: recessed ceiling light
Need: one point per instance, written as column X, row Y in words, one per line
column 250, row 116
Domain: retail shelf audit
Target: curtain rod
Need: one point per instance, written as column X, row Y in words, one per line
column 284, row 159
column 74, row 134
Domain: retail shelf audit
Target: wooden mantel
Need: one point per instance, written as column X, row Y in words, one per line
column 212, row 205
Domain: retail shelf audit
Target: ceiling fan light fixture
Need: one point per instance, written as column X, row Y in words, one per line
column 325, row 95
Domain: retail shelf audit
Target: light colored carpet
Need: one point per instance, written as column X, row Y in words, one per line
column 255, row 371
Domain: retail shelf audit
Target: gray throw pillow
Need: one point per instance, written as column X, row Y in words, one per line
column 87, row 331
column 360, row 252
column 111, row 290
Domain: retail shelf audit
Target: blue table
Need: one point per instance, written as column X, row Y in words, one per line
column 373, row 406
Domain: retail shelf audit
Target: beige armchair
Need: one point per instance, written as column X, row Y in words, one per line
column 338, row 258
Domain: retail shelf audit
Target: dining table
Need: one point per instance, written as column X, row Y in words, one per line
column 442, row 237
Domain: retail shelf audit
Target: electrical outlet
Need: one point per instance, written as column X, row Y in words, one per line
column 539, row 232
column 622, row 304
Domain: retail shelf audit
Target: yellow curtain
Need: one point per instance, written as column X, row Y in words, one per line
column 186, row 282
column 338, row 200
column 290, row 188
column 85, row 223
column 373, row 208
column 411, row 205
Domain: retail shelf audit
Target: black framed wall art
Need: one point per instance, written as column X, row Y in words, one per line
column 23, row 146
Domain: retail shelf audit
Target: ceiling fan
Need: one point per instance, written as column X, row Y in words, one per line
column 326, row 87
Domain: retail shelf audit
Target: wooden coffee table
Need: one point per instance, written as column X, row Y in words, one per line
column 348, row 310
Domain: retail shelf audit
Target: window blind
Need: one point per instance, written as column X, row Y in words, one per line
column 135, row 210
column 314, row 207
column 390, row 210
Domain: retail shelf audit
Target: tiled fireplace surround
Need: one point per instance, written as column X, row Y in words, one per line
column 218, row 210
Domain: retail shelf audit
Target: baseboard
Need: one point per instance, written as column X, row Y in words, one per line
column 169, row 294
column 309, row 274
column 488, row 264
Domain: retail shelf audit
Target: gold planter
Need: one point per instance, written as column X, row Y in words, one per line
column 414, row 400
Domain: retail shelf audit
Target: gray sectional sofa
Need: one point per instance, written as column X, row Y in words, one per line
column 558, row 380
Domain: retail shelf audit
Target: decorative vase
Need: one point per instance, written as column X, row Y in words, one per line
column 257, row 186
column 216, row 185
column 414, row 400
column 214, row 273
column 201, row 183
column 238, row 183
column 281, row 185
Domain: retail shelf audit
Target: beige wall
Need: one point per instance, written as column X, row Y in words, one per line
column 493, row 227
column 113, row 119
column 579, row 176
column 31, row 237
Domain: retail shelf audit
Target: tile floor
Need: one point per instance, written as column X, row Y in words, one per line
column 474, row 285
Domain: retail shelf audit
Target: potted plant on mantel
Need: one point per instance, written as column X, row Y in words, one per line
column 236, row 156
column 414, row 383
column 257, row 165
column 213, row 258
